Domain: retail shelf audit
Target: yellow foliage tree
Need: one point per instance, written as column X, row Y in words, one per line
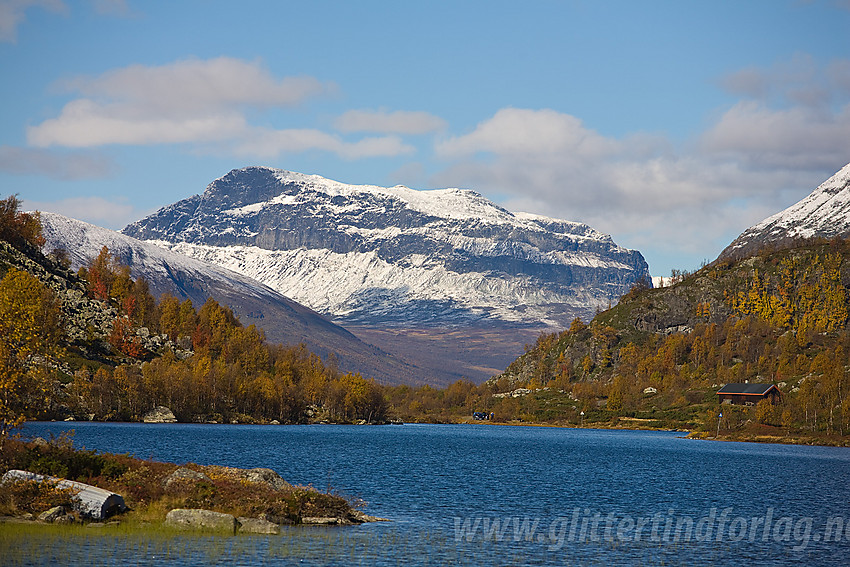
column 28, row 327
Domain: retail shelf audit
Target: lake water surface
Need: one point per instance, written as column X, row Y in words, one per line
column 498, row 495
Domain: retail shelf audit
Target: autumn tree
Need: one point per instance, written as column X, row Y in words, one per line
column 101, row 274
column 19, row 228
column 28, row 327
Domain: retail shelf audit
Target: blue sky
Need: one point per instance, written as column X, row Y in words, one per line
column 671, row 125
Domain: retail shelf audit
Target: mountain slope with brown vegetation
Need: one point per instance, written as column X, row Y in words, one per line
column 781, row 317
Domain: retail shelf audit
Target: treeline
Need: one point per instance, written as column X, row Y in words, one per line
column 210, row 369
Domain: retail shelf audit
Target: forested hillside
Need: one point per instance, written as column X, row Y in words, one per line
column 658, row 358
column 98, row 345
column 778, row 317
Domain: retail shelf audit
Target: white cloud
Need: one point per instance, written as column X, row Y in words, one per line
column 795, row 114
column 639, row 188
column 57, row 165
column 798, row 137
column 522, row 132
column 113, row 214
column 86, row 124
column 199, row 102
column 197, row 86
column 798, row 82
column 186, row 101
column 13, row 14
column 790, row 132
column 381, row 121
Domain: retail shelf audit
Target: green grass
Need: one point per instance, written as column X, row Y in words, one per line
column 43, row 544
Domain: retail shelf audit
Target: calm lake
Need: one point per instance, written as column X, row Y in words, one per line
column 495, row 495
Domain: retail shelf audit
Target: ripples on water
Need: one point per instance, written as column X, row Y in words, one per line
column 494, row 495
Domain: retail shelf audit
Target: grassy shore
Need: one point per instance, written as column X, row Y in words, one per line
column 749, row 432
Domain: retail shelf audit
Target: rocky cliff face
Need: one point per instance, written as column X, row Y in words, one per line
column 825, row 213
column 383, row 257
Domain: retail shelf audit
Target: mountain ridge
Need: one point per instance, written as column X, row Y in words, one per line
column 824, row 213
column 396, row 256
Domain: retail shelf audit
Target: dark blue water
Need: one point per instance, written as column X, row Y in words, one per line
column 516, row 495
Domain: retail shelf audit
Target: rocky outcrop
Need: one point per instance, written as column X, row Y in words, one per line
column 267, row 477
column 159, row 414
column 86, row 322
column 264, row 476
column 184, row 476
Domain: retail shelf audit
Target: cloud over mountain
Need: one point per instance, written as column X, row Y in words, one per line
column 205, row 103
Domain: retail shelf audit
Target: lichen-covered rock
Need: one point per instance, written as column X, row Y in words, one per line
column 363, row 517
column 184, row 476
column 267, row 477
column 199, row 519
column 257, row 475
column 257, row 526
column 51, row 515
column 324, row 521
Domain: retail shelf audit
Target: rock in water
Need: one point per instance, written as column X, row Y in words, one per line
column 257, row 526
column 201, row 520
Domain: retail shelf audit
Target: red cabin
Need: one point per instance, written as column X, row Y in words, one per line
column 748, row 394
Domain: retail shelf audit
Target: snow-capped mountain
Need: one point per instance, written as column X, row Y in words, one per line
column 283, row 320
column 824, row 213
column 377, row 256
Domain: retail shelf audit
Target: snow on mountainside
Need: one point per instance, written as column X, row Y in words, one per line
column 283, row 320
column 824, row 213
column 381, row 256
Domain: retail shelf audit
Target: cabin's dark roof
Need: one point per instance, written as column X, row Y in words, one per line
column 747, row 389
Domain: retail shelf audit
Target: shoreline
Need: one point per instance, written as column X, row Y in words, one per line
column 744, row 437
